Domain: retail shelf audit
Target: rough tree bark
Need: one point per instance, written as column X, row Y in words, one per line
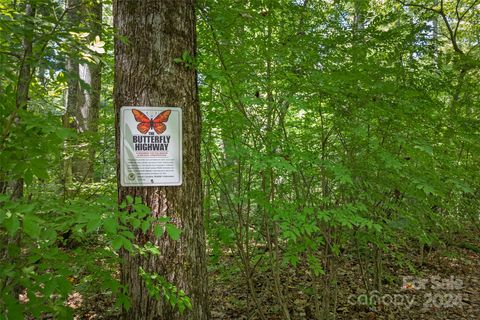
column 146, row 75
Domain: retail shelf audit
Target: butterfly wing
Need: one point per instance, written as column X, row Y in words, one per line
column 140, row 116
column 162, row 117
column 159, row 127
column 158, row 124
column 143, row 127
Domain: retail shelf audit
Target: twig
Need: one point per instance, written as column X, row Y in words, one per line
column 452, row 33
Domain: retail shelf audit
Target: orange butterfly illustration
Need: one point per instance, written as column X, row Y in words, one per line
column 146, row 124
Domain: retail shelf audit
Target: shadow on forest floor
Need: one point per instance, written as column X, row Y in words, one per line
column 445, row 286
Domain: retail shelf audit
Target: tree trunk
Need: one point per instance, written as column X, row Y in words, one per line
column 146, row 75
column 71, row 97
column 24, row 80
column 83, row 94
column 88, row 104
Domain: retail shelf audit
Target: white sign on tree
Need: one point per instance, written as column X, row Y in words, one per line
column 150, row 146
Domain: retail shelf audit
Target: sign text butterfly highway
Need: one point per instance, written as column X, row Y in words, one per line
column 150, row 146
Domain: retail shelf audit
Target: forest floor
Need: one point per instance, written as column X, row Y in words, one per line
column 446, row 285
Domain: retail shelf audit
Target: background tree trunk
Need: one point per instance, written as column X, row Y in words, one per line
column 24, row 81
column 71, row 97
column 83, row 94
column 88, row 104
column 146, row 75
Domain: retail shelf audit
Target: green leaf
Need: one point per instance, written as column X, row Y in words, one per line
column 128, row 234
column 158, row 231
column 12, row 224
column 31, row 226
column 110, row 225
column 28, row 177
column 117, row 243
column 65, row 133
column 49, row 234
column 14, row 309
column 315, row 265
column 64, row 285
column 427, row 149
column 94, row 224
column 342, row 174
column 151, row 248
column 145, row 225
column 173, row 231
column 127, row 244
column 135, row 223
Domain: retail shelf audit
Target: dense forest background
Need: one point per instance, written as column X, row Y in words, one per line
column 340, row 152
